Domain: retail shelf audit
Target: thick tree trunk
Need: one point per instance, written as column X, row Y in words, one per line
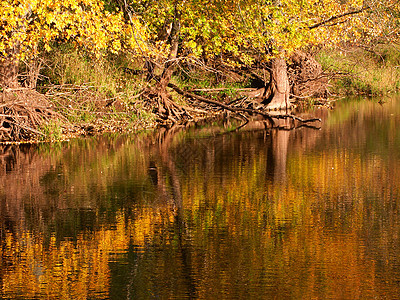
column 276, row 95
column 9, row 63
column 169, row 66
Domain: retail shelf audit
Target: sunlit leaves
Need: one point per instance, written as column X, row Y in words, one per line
column 236, row 30
column 26, row 24
column 244, row 30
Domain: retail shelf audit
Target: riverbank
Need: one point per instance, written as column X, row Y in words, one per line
column 67, row 95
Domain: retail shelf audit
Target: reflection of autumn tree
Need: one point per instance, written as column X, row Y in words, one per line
column 44, row 182
column 352, row 185
column 355, row 193
column 205, row 214
column 167, row 173
column 277, row 156
column 300, row 250
column 51, row 195
column 70, row 269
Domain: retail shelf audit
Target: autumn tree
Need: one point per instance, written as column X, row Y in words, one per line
column 266, row 32
column 167, row 32
column 28, row 27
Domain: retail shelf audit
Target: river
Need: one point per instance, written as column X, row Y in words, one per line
column 207, row 213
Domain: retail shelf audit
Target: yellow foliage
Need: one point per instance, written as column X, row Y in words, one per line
column 242, row 29
column 239, row 29
column 77, row 269
column 26, row 24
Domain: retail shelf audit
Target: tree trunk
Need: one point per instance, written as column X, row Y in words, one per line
column 276, row 94
column 8, row 73
column 169, row 66
column 9, row 62
column 166, row 106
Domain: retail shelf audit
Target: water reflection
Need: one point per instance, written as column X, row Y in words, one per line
column 203, row 213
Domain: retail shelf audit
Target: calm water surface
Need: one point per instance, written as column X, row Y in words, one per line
column 201, row 214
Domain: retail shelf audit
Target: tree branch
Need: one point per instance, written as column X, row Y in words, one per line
column 349, row 13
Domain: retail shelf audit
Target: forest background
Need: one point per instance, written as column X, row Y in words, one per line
column 81, row 67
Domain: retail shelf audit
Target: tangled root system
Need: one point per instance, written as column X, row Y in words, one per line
column 23, row 115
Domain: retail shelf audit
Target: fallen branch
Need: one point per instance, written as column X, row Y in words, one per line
column 13, row 116
column 27, row 128
column 216, row 103
column 268, row 116
column 223, row 89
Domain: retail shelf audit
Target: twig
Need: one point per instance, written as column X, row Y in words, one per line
column 223, row 89
column 13, row 116
column 324, row 22
column 138, row 95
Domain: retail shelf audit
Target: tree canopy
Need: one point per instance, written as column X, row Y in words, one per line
column 236, row 30
column 28, row 27
column 248, row 30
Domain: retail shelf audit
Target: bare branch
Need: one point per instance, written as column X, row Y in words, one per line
column 349, row 13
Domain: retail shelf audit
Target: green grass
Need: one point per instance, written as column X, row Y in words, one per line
column 374, row 71
column 105, row 77
column 52, row 131
column 94, row 91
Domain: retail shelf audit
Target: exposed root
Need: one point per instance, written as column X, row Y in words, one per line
column 26, row 115
column 23, row 115
column 168, row 112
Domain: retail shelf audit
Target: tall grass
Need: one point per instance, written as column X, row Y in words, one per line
column 98, row 91
column 374, row 71
column 106, row 75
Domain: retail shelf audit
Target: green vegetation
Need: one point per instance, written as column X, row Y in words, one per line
column 52, row 131
column 98, row 92
column 369, row 71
